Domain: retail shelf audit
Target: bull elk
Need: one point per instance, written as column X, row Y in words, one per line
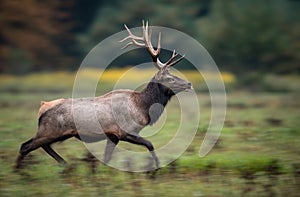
column 115, row 111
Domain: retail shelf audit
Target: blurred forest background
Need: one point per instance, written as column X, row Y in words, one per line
column 242, row 36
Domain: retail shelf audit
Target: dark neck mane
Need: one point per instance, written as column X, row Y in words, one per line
column 155, row 93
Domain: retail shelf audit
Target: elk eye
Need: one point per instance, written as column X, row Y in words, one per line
column 172, row 80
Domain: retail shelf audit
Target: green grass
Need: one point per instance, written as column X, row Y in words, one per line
column 256, row 153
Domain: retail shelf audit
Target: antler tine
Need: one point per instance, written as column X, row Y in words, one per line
column 129, row 43
column 147, row 33
column 133, row 38
column 145, row 41
column 150, row 33
column 171, row 63
column 174, row 55
column 131, row 35
column 158, row 43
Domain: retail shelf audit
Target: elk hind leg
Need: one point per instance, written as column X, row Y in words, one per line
column 53, row 154
column 26, row 148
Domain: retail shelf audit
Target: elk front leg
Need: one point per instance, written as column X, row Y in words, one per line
column 111, row 143
column 136, row 139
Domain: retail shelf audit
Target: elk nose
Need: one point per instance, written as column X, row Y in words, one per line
column 190, row 86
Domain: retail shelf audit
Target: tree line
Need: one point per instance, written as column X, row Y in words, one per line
column 241, row 35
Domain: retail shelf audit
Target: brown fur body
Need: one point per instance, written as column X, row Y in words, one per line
column 117, row 115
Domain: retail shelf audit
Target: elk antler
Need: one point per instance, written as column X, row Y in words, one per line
column 145, row 41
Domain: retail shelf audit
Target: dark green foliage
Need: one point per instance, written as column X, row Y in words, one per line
column 256, row 35
column 242, row 36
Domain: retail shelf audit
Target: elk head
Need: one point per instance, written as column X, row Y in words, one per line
column 163, row 76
